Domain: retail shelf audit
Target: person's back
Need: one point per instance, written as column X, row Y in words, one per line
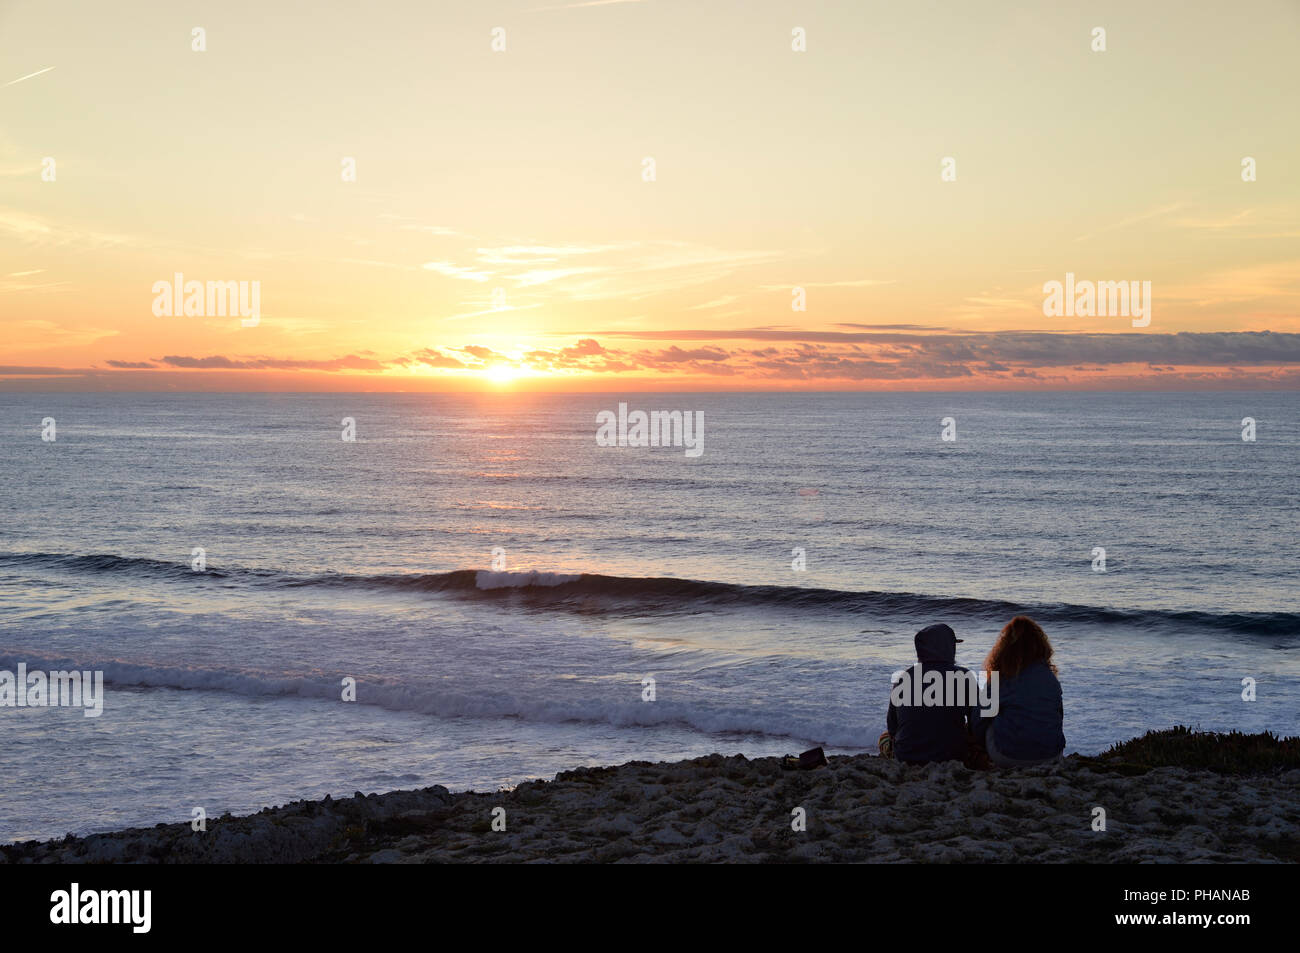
column 931, row 732
column 1030, row 714
column 1029, row 727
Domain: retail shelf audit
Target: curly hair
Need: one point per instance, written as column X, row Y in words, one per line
column 1021, row 642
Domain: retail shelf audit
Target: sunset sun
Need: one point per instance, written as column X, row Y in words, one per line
column 501, row 373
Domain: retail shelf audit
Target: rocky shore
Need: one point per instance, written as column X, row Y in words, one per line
column 731, row 809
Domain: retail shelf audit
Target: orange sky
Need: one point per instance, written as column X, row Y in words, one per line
column 502, row 230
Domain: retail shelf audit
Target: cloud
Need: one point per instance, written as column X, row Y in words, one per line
column 494, row 309
column 533, row 254
column 214, row 361
column 808, row 356
column 589, row 272
column 36, row 334
column 541, row 276
column 350, row 362
column 892, row 327
column 849, row 283
column 675, row 355
column 980, row 359
column 715, row 303
column 434, row 358
column 15, row 282
column 579, row 356
column 1158, row 212
column 1245, row 223
column 18, row 370
column 441, row 231
column 374, row 263
column 756, row 334
column 457, row 271
column 1267, row 280
column 31, row 230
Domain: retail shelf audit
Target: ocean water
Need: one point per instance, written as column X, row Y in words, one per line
column 372, row 560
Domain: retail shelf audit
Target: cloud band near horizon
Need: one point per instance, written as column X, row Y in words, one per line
column 774, row 356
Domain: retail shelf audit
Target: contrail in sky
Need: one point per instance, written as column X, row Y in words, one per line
column 30, row 75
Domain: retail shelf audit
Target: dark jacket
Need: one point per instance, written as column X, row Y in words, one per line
column 928, row 733
column 1030, row 715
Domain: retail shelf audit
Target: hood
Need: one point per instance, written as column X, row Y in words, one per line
column 936, row 643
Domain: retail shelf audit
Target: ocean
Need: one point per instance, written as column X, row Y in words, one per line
column 506, row 593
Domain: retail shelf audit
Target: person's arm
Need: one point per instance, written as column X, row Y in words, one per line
column 1060, row 710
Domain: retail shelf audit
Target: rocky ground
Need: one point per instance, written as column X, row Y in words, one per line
column 730, row 809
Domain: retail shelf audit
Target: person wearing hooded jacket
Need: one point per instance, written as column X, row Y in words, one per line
column 920, row 733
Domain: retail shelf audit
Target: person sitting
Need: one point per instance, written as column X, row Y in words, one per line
column 933, row 721
column 1028, row 728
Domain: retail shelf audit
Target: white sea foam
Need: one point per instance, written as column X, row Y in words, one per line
column 483, row 700
column 518, row 580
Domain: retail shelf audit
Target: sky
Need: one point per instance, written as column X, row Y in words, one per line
column 504, row 228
